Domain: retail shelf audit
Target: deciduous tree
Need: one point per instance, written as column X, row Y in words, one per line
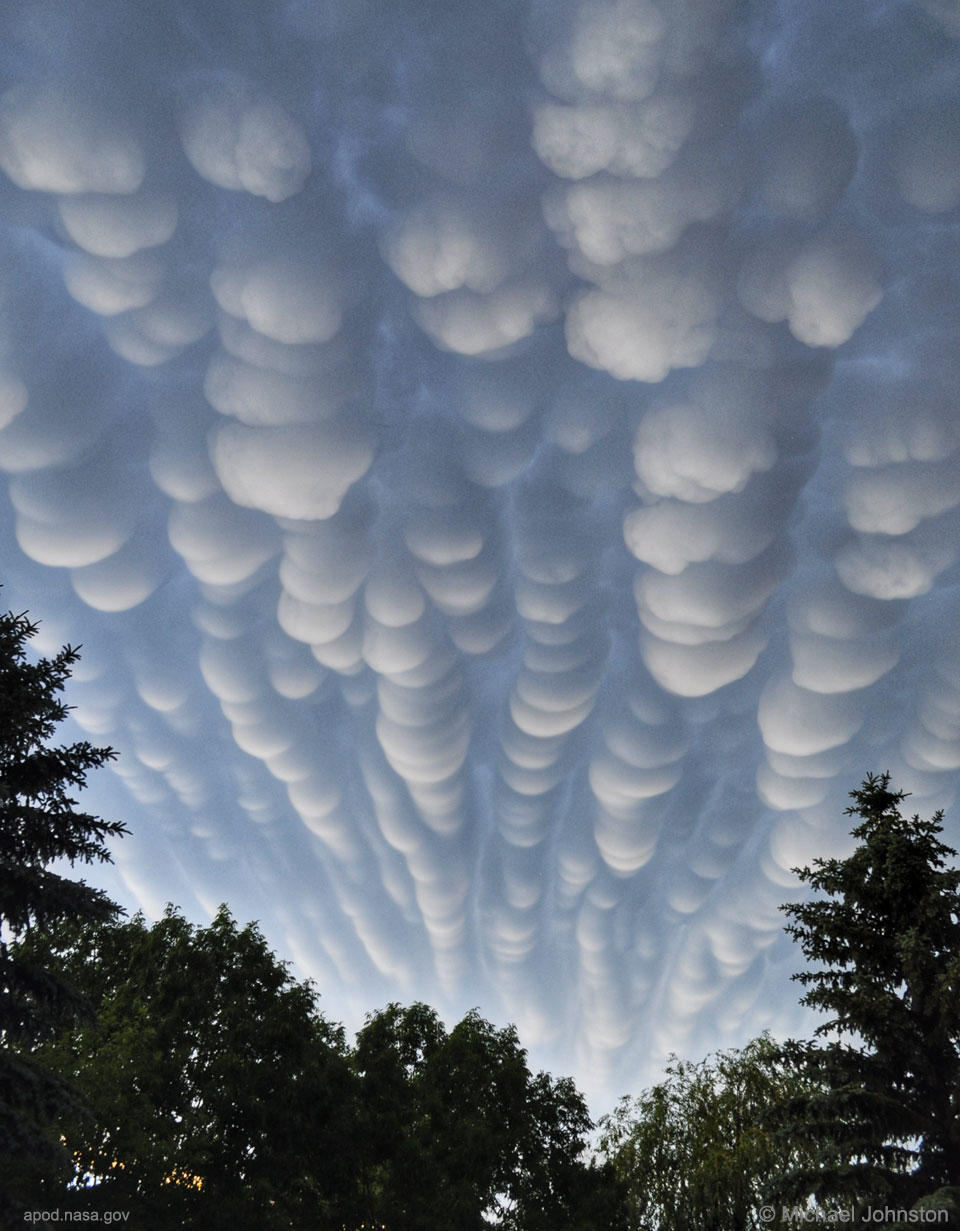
column 221, row 1098
column 699, row 1148
column 457, row 1131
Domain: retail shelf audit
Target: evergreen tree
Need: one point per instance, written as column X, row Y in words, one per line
column 884, row 937
column 39, row 826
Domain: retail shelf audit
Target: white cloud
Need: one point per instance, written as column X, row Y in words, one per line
column 431, row 633
column 54, row 140
column 626, row 332
column 289, row 299
column 114, row 226
column 825, row 288
column 641, row 139
column 238, row 139
column 297, row 472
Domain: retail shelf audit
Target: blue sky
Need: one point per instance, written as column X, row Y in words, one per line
column 501, row 461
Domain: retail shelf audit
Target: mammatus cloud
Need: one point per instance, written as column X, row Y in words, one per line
column 237, row 138
column 504, row 471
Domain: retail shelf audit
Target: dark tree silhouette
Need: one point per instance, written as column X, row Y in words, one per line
column 883, row 935
column 455, row 1129
column 699, row 1148
column 220, row 1097
column 39, row 826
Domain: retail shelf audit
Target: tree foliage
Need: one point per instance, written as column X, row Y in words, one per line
column 699, row 1148
column 39, row 826
column 457, row 1130
column 220, row 1096
column 884, row 937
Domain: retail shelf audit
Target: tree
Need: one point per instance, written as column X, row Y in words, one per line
column 39, row 825
column 699, row 1148
column 884, row 1117
column 221, row 1098
column 456, row 1131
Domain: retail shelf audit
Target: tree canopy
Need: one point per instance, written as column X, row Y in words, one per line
column 39, row 826
column 699, row 1148
column 219, row 1094
column 182, row 1072
column 458, row 1129
column 883, row 935
column 221, row 1098
column 867, row 1114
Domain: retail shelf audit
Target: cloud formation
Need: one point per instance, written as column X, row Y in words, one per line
column 503, row 467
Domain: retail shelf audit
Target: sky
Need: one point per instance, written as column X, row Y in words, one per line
column 502, row 462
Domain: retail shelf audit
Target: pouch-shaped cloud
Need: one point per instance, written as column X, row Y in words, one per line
column 123, row 580
column 926, row 157
column 895, row 499
column 824, row 289
column 236, row 138
column 612, row 220
column 178, row 461
column 472, row 324
column 603, row 47
column 53, row 139
column 446, row 243
column 463, row 588
column 809, row 157
column 706, row 602
column 696, row 452
column 261, row 397
column 501, row 397
column 637, row 140
column 659, row 316
column 825, row 608
column 789, row 794
column 119, row 226
column 290, row 299
column 328, row 562
column 831, row 665
column 299, row 472
column 109, row 286
column 219, row 542
column 392, row 596
column 932, row 739
column 625, row 844
column 902, row 567
column 231, row 669
column 874, row 394
column 243, row 342
column 672, row 534
column 316, row 624
column 624, row 775
column 802, row 723
column 63, row 519
column 393, row 649
column 700, row 669
column 425, row 753
column 13, row 398
column 160, row 330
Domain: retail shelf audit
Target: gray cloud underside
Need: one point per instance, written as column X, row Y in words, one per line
column 502, row 464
